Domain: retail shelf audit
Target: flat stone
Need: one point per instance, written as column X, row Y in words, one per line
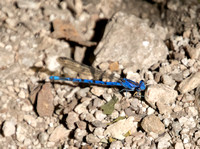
column 45, row 105
column 190, row 83
column 118, row 129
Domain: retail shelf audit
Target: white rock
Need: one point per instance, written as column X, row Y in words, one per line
column 160, row 93
column 99, row 115
column 163, row 144
column 52, row 63
column 8, row 128
column 150, row 111
column 118, row 129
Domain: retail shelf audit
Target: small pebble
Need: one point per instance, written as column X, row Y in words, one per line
column 152, row 123
column 79, row 134
column 59, row 133
column 22, row 94
column 71, row 119
column 43, row 137
column 30, row 120
column 168, row 80
column 98, row 91
column 116, row 144
column 99, row 132
column 21, row 133
column 81, row 125
column 150, row 111
column 192, row 111
column 188, row 98
column 90, row 138
column 176, row 127
column 99, row 115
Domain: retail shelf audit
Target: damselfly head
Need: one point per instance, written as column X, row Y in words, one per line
column 142, row 85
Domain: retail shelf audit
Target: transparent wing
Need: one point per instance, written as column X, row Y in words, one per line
column 83, row 69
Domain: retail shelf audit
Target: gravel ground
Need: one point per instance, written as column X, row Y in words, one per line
column 156, row 41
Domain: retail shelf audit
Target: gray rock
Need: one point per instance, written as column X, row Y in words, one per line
column 90, row 138
column 43, row 137
column 130, row 41
column 163, row 108
column 83, row 92
column 98, row 124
